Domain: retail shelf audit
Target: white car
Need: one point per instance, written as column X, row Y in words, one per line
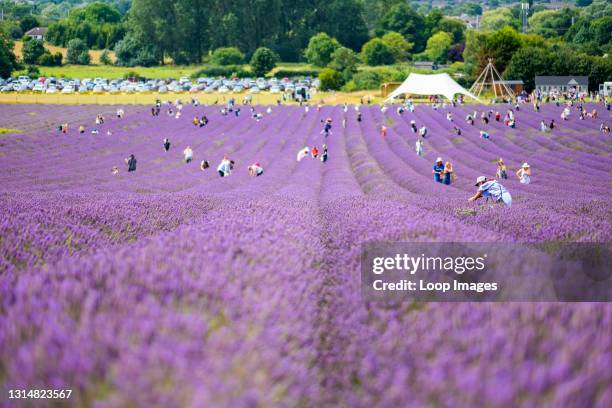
column 223, row 89
column 98, row 89
column 254, row 90
column 39, row 87
column 51, row 89
column 68, row 90
column 275, row 89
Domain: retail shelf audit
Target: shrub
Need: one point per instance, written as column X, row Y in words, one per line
column 227, row 56
column 50, row 60
column 32, row 51
column 228, row 71
column 263, row 61
column 33, row 71
column 78, row 53
column 282, row 73
column 105, row 58
column 330, row 79
column 376, row 52
column 320, row 49
column 131, row 51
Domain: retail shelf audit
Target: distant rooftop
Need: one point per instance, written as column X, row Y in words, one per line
column 37, row 31
column 562, row 80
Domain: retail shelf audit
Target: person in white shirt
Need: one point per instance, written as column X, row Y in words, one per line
column 225, row 167
column 491, row 189
column 188, row 152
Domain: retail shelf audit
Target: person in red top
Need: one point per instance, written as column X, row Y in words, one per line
column 314, row 152
column 383, row 131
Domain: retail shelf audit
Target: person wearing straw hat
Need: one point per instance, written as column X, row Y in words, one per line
column 524, row 174
column 438, row 169
column 491, row 189
column 501, row 169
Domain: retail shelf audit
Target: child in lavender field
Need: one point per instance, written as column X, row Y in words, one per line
column 524, row 174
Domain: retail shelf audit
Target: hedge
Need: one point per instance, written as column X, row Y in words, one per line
column 282, row 73
column 228, row 71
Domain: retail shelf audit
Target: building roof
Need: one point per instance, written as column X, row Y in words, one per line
column 562, row 80
column 510, row 82
column 37, row 31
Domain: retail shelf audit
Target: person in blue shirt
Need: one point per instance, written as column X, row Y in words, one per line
column 491, row 189
column 438, row 169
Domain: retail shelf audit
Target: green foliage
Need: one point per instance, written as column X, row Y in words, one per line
column 263, row 61
column 132, row 51
column 105, row 58
column 408, row 22
column 11, row 28
column 32, row 71
column 8, row 62
column 320, row 49
column 345, row 61
column 400, row 48
column 27, row 23
column 528, row 62
column 50, row 60
column 551, row 23
column 32, row 51
column 438, row 46
column 583, row 3
column 97, row 24
column 286, row 73
column 78, row 52
column 496, row 19
column 376, row 52
column 227, row 56
column 228, row 71
column 331, row 79
column 453, row 26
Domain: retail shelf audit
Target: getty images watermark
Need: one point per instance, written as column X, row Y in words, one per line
column 447, row 272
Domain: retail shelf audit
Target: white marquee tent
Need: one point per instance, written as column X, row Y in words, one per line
column 436, row 84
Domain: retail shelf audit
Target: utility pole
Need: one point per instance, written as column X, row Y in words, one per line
column 524, row 15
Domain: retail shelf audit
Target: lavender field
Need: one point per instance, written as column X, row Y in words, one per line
column 174, row 287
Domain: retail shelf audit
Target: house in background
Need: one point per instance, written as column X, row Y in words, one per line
column 37, row 33
column 562, row 83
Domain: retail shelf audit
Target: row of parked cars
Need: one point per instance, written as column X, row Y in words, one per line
column 53, row 85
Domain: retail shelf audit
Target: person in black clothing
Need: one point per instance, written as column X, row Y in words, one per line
column 359, row 117
column 131, row 163
column 324, row 154
column 166, row 145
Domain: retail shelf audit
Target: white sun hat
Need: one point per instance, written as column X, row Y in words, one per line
column 439, row 159
column 480, row 179
column 525, row 165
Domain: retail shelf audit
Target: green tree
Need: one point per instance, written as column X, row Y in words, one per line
column 496, row 19
column 105, row 58
column 583, row 3
column 27, row 23
column 32, row 51
column 263, row 61
column 330, row 79
column 8, row 62
column 438, row 46
column 76, row 48
column 345, row 61
column 400, row 48
column 408, row 22
column 133, row 51
column 501, row 46
column 320, row 49
column 376, row 52
column 551, row 23
column 473, row 9
column 528, row 62
column 453, row 26
column 227, row 56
